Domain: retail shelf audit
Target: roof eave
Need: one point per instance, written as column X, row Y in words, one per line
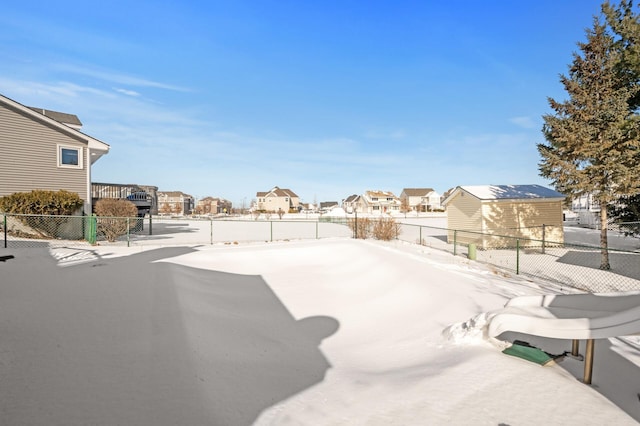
column 92, row 143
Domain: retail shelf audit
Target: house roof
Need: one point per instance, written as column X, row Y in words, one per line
column 173, row 194
column 378, row 193
column 285, row 192
column 507, row 192
column 278, row 192
column 62, row 117
column 417, row 192
column 327, row 204
column 352, row 198
column 97, row 147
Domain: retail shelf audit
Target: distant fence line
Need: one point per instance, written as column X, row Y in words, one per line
column 576, row 266
column 38, row 230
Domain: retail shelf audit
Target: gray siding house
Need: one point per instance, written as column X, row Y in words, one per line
column 39, row 152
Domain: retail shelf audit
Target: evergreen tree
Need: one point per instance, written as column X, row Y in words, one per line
column 625, row 24
column 592, row 140
column 627, row 211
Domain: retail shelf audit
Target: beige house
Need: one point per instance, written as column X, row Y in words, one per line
column 42, row 149
column 495, row 216
column 420, row 199
column 277, row 199
column 378, row 202
column 350, row 204
column 175, row 202
column 212, row 205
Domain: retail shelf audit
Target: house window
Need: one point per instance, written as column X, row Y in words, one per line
column 69, row 157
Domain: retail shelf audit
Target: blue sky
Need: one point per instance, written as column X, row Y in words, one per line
column 326, row 98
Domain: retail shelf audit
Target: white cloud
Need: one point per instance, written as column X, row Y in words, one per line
column 127, row 92
column 115, row 77
column 525, row 122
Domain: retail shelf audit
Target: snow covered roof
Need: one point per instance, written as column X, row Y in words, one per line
column 507, row 192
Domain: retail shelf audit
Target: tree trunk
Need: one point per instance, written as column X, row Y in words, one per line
column 604, row 249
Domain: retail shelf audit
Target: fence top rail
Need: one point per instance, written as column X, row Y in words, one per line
column 42, row 215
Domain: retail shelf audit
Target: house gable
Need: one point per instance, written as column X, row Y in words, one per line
column 420, row 199
column 39, row 152
column 376, row 201
column 277, row 199
column 416, row 192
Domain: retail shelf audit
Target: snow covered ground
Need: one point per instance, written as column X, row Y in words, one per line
column 322, row 332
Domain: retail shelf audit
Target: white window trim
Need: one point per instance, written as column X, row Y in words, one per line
column 71, row 166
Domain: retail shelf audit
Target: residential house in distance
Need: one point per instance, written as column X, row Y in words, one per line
column 350, row 204
column 175, row 202
column 499, row 214
column 211, row 205
column 277, row 199
column 326, row 206
column 587, row 208
column 43, row 149
column 308, row 208
column 378, row 202
column 420, row 199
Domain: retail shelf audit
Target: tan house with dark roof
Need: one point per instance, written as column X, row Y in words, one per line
column 175, row 202
column 213, row 205
column 350, row 204
column 277, row 199
column 420, row 199
column 497, row 215
column 42, row 149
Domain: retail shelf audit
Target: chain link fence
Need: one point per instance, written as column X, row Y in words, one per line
column 23, row 231
column 573, row 265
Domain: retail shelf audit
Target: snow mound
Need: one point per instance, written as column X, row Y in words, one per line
column 472, row 331
column 336, row 212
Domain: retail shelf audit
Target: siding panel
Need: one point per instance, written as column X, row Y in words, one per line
column 535, row 219
column 28, row 157
column 464, row 212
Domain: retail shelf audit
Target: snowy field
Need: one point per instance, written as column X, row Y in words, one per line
column 575, row 266
column 322, row 332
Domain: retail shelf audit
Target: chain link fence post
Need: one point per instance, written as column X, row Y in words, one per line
column 455, row 245
column 4, row 226
column 92, row 229
column 518, row 256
